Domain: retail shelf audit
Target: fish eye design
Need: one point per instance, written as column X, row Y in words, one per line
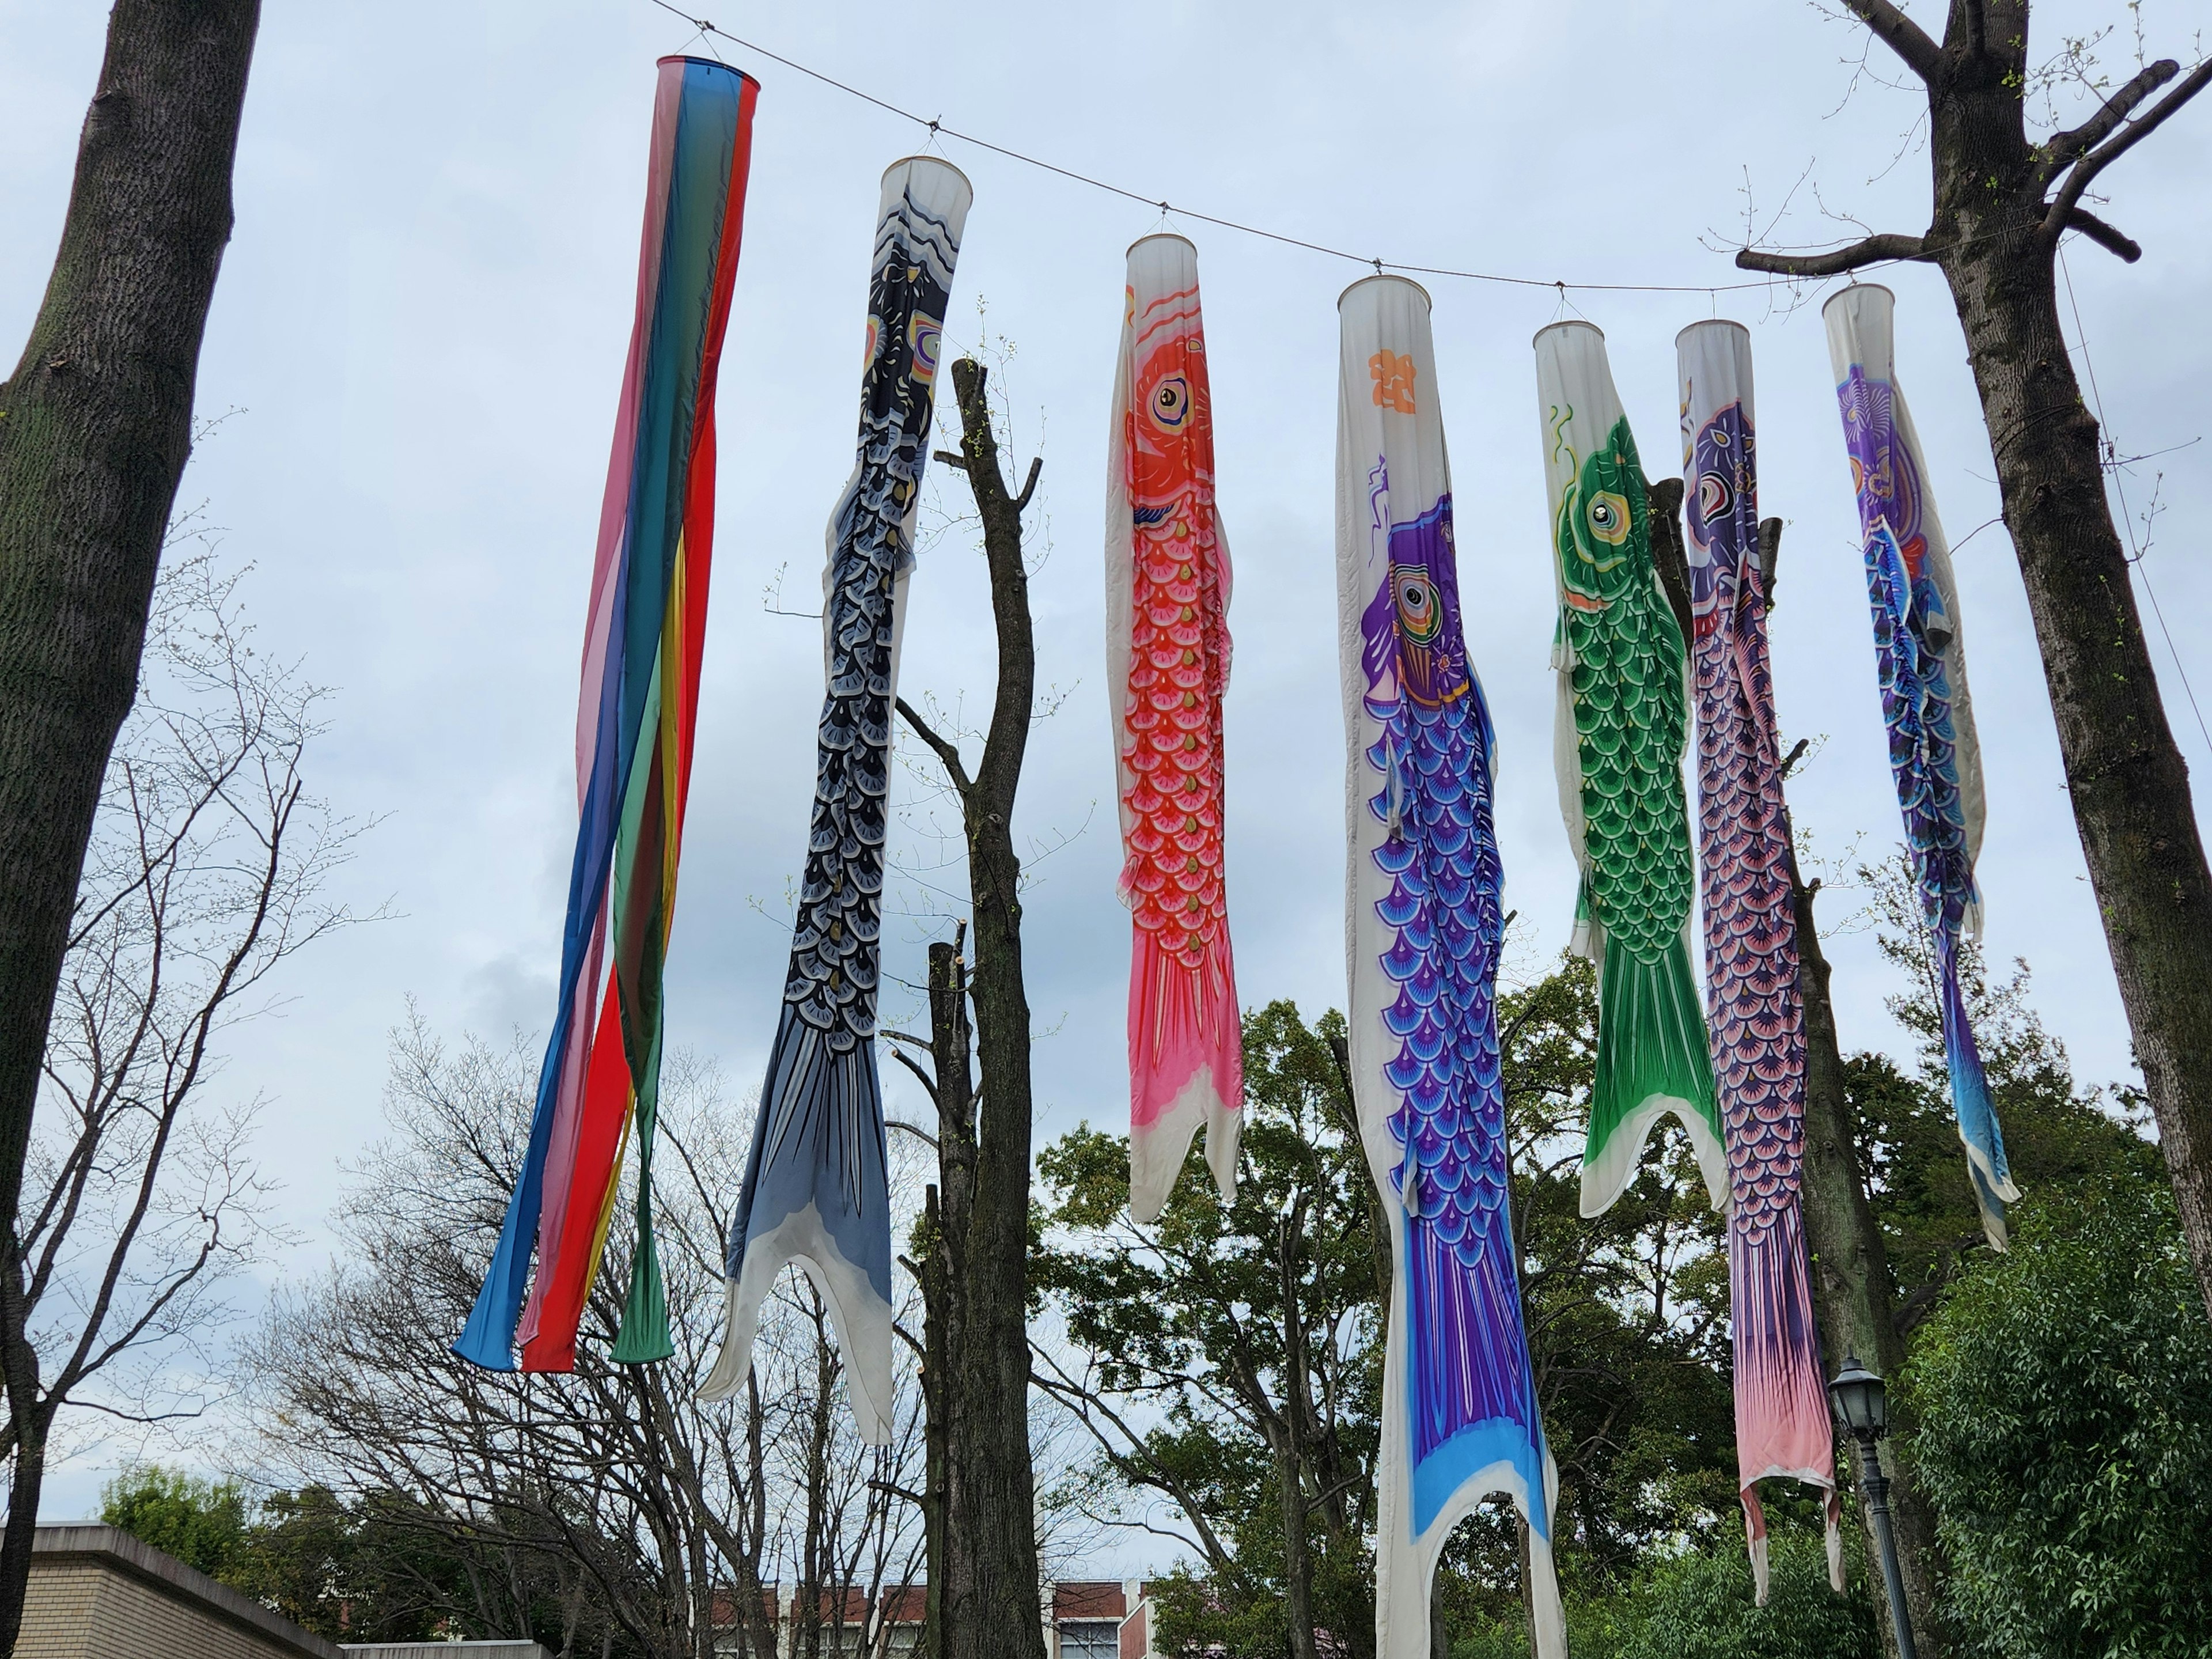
column 921, row 336
column 1716, row 496
column 1171, row 403
column 1420, row 618
column 1607, row 514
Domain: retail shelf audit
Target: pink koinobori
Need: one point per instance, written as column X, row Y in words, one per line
column 1757, row 1015
column 1167, row 660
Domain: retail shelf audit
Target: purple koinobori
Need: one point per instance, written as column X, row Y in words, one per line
column 1755, row 1016
column 1424, row 924
column 1921, row 657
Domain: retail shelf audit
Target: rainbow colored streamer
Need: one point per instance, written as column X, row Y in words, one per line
column 634, row 726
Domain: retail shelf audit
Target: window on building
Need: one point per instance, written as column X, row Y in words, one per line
column 902, row 1640
column 1090, row 1638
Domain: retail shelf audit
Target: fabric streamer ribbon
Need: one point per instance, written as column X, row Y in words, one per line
column 1921, row 656
column 816, row 1188
column 1622, row 720
column 1423, row 929
column 1167, row 655
column 1756, row 1013
column 636, row 723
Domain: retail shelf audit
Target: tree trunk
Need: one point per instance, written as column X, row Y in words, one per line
column 945, row 1210
column 1850, row 1276
column 1291, row 1441
column 95, row 428
column 95, row 424
column 985, row 1585
column 2001, row 203
column 2123, row 770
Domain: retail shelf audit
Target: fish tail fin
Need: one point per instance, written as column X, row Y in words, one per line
column 1781, row 1424
column 815, row 1193
column 1755, row 1533
column 1653, row 1057
column 1185, row 1069
column 1971, row 1102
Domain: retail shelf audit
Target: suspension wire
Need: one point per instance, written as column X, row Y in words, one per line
column 937, row 127
column 2109, row 455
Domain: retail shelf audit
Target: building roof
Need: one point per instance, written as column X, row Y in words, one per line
column 117, row 1550
column 1089, row 1598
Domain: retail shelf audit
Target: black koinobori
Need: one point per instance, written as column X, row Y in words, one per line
column 816, row 1190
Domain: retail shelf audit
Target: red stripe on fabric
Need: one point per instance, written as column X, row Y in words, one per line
column 565, row 1279
column 568, row 1107
column 699, row 480
column 621, row 464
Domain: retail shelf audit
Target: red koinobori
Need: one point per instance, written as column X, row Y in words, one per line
column 1167, row 662
column 635, row 726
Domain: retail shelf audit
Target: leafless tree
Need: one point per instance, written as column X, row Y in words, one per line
column 984, row 1580
column 205, row 872
column 677, row 1517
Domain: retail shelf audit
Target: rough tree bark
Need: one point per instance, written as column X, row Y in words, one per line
column 984, row 1583
column 1289, row 1445
column 2001, row 203
column 95, row 423
column 1850, row 1265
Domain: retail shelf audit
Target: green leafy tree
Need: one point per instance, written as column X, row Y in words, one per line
column 1698, row 1605
column 2057, row 1132
column 1225, row 1359
column 1180, row 1340
column 203, row 1523
column 2064, row 1396
column 377, row 1567
column 1627, row 1314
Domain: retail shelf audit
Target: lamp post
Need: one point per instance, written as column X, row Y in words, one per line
column 1863, row 1403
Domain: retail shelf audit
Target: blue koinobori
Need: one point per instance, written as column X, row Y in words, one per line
column 1922, row 661
column 1423, row 927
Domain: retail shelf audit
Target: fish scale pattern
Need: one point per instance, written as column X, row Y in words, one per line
column 1629, row 715
column 1756, row 1012
column 1172, row 740
column 1622, row 660
column 1466, row 1354
column 1913, row 632
column 1168, row 585
column 1757, row 1018
column 816, row 1186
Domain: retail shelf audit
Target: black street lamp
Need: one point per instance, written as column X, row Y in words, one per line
column 1863, row 1404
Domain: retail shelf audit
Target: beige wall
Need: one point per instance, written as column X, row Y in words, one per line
column 92, row 1597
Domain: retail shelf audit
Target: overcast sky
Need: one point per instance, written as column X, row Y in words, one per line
column 422, row 321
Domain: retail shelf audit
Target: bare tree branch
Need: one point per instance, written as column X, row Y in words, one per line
column 1872, row 251
column 1901, row 34
column 946, row 751
column 2063, row 147
column 2066, row 203
column 2106, row 236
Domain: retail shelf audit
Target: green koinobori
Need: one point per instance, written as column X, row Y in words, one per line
column 1622, row 717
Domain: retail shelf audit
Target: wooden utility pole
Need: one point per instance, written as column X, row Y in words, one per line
column 984, row 1582
column 2002, row 203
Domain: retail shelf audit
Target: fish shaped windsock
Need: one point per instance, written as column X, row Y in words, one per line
column 1756, row 1014
column 1623, row 718
column 1921, row 657
column 1423, row 928
column 817, row 1189
column 1167, row 660
column 634, row 726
